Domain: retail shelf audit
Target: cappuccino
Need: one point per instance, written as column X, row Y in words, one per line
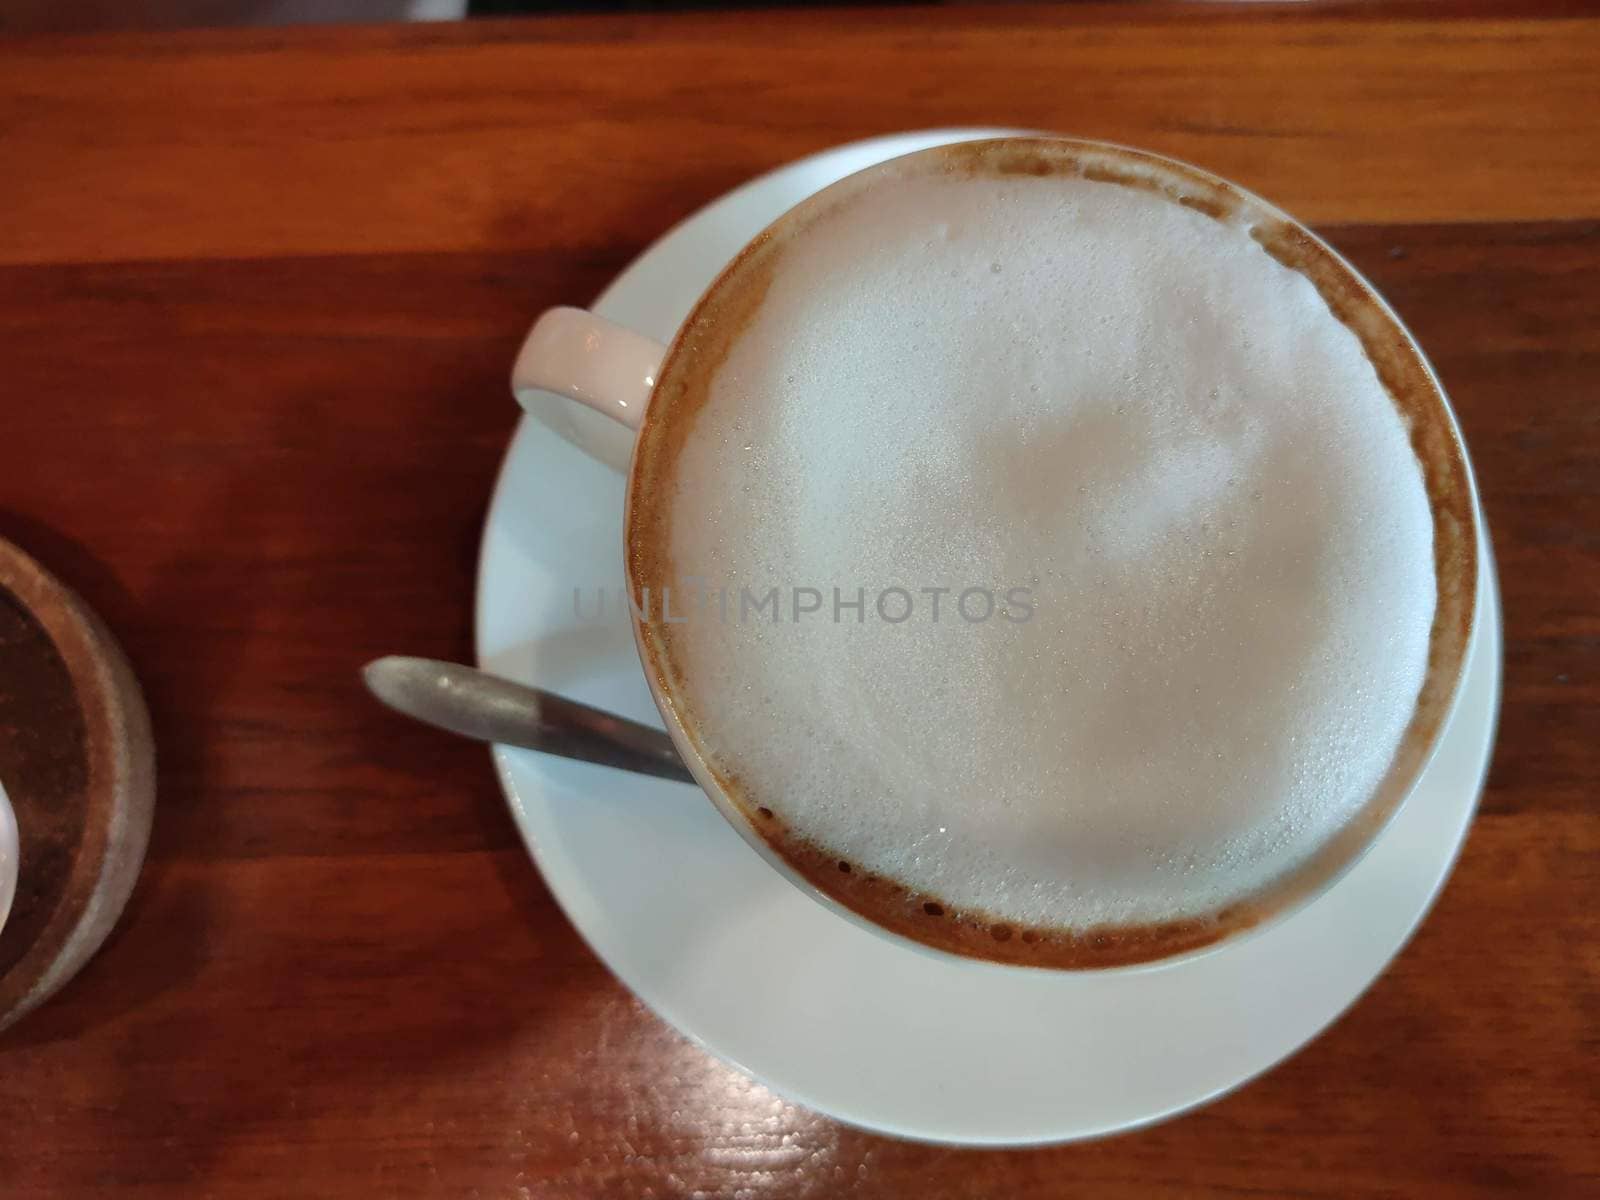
column 1098, row 392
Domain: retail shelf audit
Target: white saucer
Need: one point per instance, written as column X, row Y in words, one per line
column 861, row 1028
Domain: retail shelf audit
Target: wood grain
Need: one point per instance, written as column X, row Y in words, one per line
column 320, row 141
column 258, row 294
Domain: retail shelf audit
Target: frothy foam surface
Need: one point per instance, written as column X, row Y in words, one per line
column 1131, row 409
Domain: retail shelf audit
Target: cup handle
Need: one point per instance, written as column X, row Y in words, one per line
column 586, row 358
column 8, row 856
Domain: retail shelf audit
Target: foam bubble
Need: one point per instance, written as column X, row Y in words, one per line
column 1128, row 407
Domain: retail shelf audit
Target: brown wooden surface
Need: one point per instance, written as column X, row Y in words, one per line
column 258, row 294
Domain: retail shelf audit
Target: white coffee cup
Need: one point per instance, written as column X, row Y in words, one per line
column 614, row 371
column 8, row 856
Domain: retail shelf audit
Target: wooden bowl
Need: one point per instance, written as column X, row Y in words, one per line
column 79, row 764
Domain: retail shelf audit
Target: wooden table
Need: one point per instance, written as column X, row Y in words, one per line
column 258, row 295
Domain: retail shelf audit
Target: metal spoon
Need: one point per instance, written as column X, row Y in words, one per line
column 478, row 705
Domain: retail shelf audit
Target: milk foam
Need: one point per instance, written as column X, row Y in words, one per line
column 1131, row 408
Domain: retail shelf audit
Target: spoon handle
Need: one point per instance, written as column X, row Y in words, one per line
column 478, row 705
